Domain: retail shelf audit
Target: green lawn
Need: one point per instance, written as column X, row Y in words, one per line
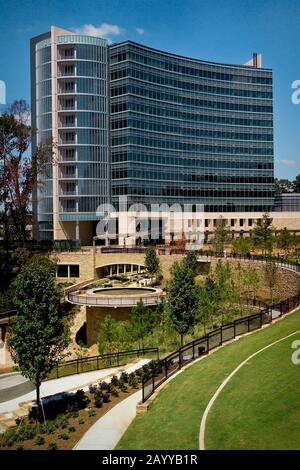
column 260, row 407
column 173, row 419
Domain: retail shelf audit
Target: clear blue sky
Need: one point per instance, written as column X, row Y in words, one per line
column 219, row 30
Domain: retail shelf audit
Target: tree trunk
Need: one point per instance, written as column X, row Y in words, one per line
column 38, row 399
column 181, row 340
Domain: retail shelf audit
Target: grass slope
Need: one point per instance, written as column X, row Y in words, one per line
column 173, row 419
column 260, row 407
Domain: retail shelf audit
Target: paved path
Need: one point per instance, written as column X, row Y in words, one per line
column 225, row 382
column 108, row 430
column 14, row 385
column 72, row 382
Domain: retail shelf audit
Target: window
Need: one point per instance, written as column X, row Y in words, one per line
column 62, row 270
column 74, row 270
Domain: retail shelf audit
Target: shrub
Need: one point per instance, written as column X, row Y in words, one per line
column 81, row 421
column 72, row 429
column 49, row 427
column 39, row 440
column 114, row 392
column 106, row 397
column 92, row 389
column 138, row 374
column 65, row 402
column 98, row 402
column 123, row 387
column 91, row 412
column 132, row 381
column 64, row 436
column 28, row 431
column 8, row 438
column 52, row 446
column 104, row 385
column 20, row 447
column 124, row 377
column 63, row 422
column 115, row 381
column 145, row 373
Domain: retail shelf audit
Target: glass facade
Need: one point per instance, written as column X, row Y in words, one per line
column 190, row 132
column 83, row 126
column 72, row 93
column 43, row 121
column 128, row 120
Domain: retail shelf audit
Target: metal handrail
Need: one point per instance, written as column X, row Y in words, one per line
column 163, row 369
column 112, row 301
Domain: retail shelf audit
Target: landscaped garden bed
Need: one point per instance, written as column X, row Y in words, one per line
column 69, row 416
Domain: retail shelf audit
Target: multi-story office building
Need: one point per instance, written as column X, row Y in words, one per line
column 128, row 120
column 70, row 105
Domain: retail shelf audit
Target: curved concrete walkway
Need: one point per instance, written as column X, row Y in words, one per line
column 225, row 382
column 108, row 430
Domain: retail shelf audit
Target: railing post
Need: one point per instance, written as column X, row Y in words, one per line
column 179, row 362
column 221, row 331
column 260, row 315
column 248, row 320
column 143, row 390
column 77, row 366
column 234, row 329
column 207, row 344
column 153, row 379
column 166, row 368
column 193, row 350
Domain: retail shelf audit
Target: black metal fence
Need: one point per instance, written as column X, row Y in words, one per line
column 104, row 361
column 278, row 259
column 8, row 314
column 164, row 368
column 121, row 249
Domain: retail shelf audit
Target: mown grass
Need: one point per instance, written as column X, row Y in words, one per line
column 173, row 419
column 260, row 406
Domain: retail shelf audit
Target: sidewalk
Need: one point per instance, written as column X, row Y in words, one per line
column 108, row 430
column 11, row 409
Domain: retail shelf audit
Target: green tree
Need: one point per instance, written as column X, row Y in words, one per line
column 241, row 246
column 39, row 334
column 262, row 235
column 252, row 282
column 182, row 298
column 221, row 235
column 270, row 273
column 152, row 263
column 161, row 315
column 18, row 171
column 191, row 261
column 142, row 319
column 209, row 303
column 226, row 288
column 296, row 184
column 285, row 240
column 109, row 335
